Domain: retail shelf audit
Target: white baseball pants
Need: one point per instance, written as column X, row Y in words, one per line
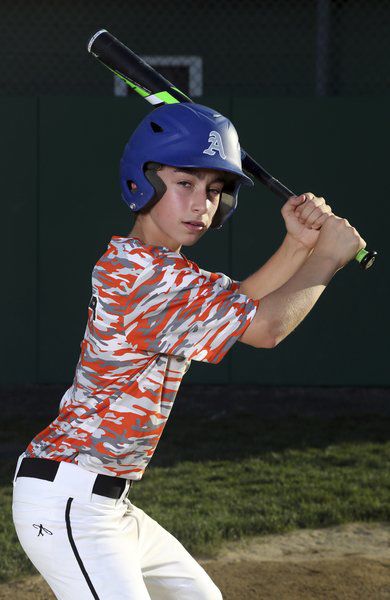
column 90, row 546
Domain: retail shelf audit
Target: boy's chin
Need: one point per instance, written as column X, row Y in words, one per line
column 192, row 240
column 189, row 243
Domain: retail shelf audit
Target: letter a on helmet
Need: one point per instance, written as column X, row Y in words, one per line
column 216, row 145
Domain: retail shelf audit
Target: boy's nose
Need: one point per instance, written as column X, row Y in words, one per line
column 199, row 201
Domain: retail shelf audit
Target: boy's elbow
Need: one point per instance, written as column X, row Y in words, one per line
column 268, row 343
column 268, row 340
column 272, row 338
column 263, row 334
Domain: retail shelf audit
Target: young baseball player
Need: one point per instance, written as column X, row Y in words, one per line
column 152, row 312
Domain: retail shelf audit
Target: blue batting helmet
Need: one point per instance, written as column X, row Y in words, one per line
column 182, row 135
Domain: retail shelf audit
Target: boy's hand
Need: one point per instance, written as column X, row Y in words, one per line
column 338, row 241
column 304, row 216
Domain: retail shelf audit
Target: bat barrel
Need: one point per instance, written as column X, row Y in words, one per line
column 140, row 76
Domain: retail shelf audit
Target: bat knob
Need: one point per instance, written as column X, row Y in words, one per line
column 366, row 258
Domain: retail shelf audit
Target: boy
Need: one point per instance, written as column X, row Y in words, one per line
column 152, row 312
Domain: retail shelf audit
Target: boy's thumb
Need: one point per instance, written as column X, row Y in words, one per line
column 298, row 199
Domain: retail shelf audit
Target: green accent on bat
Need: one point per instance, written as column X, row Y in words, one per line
column 141, row 91
column 166, row 98
column 133, row 86
column 180, row 92
column 361, row 254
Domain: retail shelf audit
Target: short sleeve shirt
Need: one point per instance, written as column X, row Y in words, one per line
column 152, row 312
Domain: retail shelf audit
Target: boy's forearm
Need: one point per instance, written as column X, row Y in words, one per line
column 282, row 265
column 287, row 306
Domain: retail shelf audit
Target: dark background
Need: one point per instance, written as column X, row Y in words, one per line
column 306, row 83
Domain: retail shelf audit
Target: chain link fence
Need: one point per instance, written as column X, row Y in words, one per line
column 240, row 47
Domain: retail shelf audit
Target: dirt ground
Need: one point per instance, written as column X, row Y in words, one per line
column 349, row 562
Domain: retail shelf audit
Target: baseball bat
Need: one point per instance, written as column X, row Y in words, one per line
column 153, row 87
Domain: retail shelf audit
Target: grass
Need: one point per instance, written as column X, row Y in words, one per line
column 217, row 479
column 205, row 503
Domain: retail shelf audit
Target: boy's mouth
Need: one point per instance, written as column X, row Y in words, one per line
column 194, row 225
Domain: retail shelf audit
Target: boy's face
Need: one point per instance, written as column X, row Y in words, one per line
column 186, row 210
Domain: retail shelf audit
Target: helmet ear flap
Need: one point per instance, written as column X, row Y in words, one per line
column 227, row 202
column 227, row 205
column 150, row 172
column 159, row 186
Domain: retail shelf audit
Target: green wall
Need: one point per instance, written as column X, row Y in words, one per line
column 61, row 201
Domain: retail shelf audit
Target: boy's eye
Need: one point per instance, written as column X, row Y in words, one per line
column 214, row 193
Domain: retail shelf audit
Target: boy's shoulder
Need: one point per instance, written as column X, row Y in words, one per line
column 131, row 248
column 134, row 250
column 130, row 253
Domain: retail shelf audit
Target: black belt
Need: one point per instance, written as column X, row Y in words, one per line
column 45, row 468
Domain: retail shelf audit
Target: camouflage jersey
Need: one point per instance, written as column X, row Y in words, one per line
column 152, row 311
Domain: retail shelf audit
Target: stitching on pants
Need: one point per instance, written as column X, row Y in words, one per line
column 75, row 551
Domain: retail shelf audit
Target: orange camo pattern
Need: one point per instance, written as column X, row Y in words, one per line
column 153, row 311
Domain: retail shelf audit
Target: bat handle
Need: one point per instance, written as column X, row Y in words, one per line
column 365, row 258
